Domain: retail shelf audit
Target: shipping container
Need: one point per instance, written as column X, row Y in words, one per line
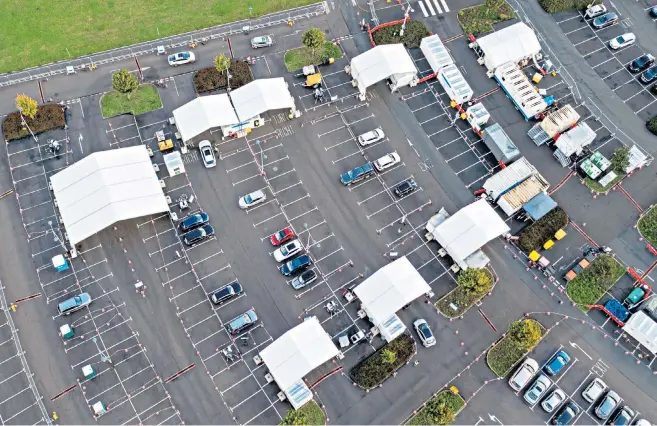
column 513, row 200
column 500, row 144
column 436, row 53
column 504, row 180
column 454, row 84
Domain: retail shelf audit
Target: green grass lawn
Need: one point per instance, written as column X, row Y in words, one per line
column 480, row 19
column 309, row 414
column 299, row 57
column 648, row 226
column 39, row 31
column 595, row 186
column 147, row 98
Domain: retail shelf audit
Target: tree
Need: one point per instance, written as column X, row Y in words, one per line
column 313, row 39
column 475, row 281
column 221, row 63
column 295, row 417
column 652, row 125
column 124, row 82
column 388, row 356
column 440, row 412
column 26, row 105
column 525, row 333
column 620, row 159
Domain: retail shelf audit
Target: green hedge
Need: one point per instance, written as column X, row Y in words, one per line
column 473, row 284
column 652, row 125
column 593, row 282
column 511, row 348
column 48, row 117
column 480, row 19
column 538, row 233
column 309, row 414
column 441, row 409
column 554, row 6
column 374, row 370
column 300, row 57
column 414, row 32
column 648, row 226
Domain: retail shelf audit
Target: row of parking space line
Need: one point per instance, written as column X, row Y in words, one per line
column 189, row 275
column 125, row 383
column 612, row 65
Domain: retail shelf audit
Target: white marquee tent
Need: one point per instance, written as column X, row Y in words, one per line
column 260, row 96
column 107, row 187
column 382, row 62
column 514, row 43
column 204, row 113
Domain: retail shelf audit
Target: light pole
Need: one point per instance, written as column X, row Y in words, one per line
column 403, row 27
column 24, row 123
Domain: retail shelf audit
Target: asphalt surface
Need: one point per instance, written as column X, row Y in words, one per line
column 347, row 231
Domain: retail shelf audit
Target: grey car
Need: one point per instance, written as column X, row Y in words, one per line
column 537, row 389
column 304, row 279
column 262, row 41
column 607, row 405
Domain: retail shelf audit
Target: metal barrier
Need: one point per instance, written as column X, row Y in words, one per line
column 141, row 49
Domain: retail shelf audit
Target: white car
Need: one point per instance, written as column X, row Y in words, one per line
column 553, row 400
column 371, row 137
column 594, row 390
column 594, row 11
column 425, row 333
column 287, row 251
column 263, row 41
column 537, row 389
column 252, row 199
column 523, row 374
column 207, row 154
column 181, row 58
column 387, row 161
column 621, row 41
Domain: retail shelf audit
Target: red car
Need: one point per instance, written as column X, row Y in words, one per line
column 285, row 234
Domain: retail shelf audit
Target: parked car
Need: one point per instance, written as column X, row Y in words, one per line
column 641, row 63
column 557, row 363
column 306, row 278
column 643, row 422
column 226, row 293
column 605, row 20
column 621, row 41
column 649, row 75
column 405, row 188
column 607, row 405
column 537, row 389
column 653, row 12
column 75, row 303
column 262, row 41
column 252, row 199
column 371, row 137
column 194, row 221
column 523, row 374
column 424, row 331
column 181, row 58
column 623, row 417
column 566, row 415
column 242, row 322
column 288, row 250
column 594, row 390
column 387, row 161
column 553, row 400
column 595, row 11
column 356, row 175
column 282, row 236
column 295, row 265
column 207, row 154
column 197, row 235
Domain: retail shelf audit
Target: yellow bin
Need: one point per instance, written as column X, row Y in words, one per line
column 560, row 234
column 537, row 78
column 548, row 245
column 534, row 256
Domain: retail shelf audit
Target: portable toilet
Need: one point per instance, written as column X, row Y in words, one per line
column 60, row 263
column 88, row 372
column 66, row 331
column 99, row 409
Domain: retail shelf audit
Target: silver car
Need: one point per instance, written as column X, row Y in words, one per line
column 607, row 405
column 553, row 400
column 207, row 154
column 262, row 41
column 425, row 333
column 181, row 58
column 537, row 389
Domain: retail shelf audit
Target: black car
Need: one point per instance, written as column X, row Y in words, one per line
column 197, row 235
column 405, row 188
column 641, row 63
column 566, row 414
column 295, row 265
column 649, row 75
column 226, row 292
column 194, row 221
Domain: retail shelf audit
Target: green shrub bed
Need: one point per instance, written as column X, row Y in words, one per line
column 521, row 338
column 208, row 79
column 480, row 19
column 300, row 57
column 414, row 33
column 648, row 226
column 379, row 366
column 310, row 414
column 473, row 285
column 441, row 409
column 538, row 233
column 593, row 282
column 554, row 6
column 48, row 117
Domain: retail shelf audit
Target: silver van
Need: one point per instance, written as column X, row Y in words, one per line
column 523, row 374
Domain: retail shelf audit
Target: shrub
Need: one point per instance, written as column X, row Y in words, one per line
column 414, row 32
column 124, row 82
column 593, row 282
column 648, row 226
column 48, row 117
column 473, row 284
column 538, row 233
column 480, row 19
column 309, row 414
column 509, row 350
column 208, row 79
column 554, row 6
column 26, row 105
column 652, row 125
column 375, row 369
column 525, row 334
column 439, row 410
column 313, row 39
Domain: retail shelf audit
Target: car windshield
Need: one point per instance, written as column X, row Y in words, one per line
column 286, row 250
column 651, row 72
column 641, row 61
column 248, row 199
column 620, row 39
column 78, row 300
column 606, row 406
column 426, row 332
column 184, row 55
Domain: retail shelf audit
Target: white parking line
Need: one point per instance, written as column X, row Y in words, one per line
column 578, row 29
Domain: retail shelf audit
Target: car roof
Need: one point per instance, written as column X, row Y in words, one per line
column 257, row 194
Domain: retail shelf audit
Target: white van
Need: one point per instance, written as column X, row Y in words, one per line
column 523, row 374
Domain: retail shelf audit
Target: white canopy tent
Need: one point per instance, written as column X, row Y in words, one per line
column 468, row 230
column 514, row 43
column 387, row 291
column 295, row 354
column 204, row 113
column 107, row 187
column 382, row 62
column 260, row 96
column 643, row 329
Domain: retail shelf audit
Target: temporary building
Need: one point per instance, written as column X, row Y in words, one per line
column 468, row 230
column 386, row 61
column 573, row 142
column 454, row 83
column 514, row 44
column 515, row 198
column 554, row 123
column 520, row 90
column 262, row 95
column 637, row 159
column 508, row 178
column 435, row 52
column 500, row 144
column 643, row 329
column 539, row 206
column 204, row 113
column 107, row 187
column 295, row 354
column 388, row 290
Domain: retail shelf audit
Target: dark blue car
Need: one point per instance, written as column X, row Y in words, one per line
column 296, row 265
column 557, row 363
column 649, row 75
column 194, row 221
column 357, row 174
column 605, row 20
